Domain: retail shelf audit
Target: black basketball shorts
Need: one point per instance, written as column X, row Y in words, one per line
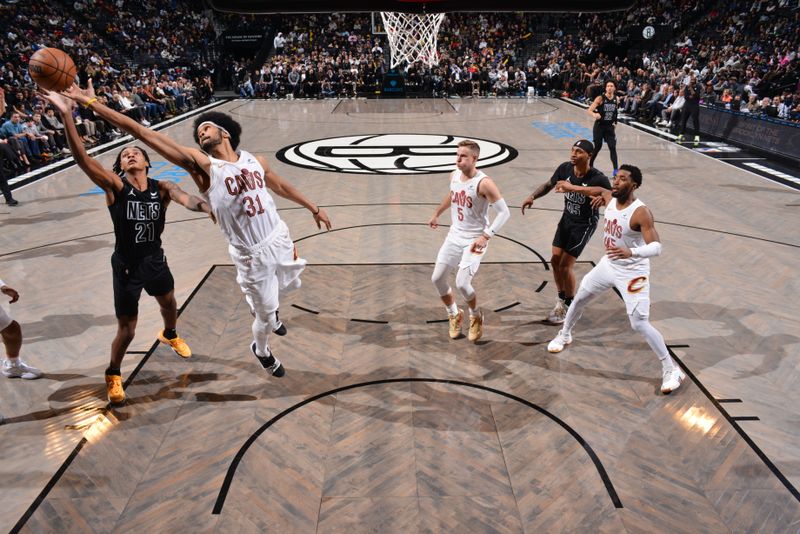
column 572, row 237
column 151, row 274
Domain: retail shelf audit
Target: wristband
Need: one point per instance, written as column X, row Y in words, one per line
column 91, row 101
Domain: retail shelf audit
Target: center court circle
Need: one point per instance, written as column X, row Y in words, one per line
column 390, row 153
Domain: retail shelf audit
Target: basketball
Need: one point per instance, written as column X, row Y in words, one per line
column 52, row 69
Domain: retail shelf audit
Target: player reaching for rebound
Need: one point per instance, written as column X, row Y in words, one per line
column 138, row 206
column 237, row 185
column 630, row 239
column 471, row 193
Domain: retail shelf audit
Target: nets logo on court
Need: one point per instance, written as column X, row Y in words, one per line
column 390, row 153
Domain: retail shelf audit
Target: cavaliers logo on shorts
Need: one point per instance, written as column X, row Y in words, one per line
column 637, row 284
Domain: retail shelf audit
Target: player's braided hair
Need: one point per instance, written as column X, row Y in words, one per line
column 117, row 168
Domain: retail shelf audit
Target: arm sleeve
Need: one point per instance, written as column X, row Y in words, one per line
column 503, row 214
column 647, row 251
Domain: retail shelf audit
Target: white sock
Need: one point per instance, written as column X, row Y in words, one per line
column 473, row 313
column 452, row 309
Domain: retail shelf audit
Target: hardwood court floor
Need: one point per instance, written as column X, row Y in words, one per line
column 413, row 455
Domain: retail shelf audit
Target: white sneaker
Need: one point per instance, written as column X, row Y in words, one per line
column 558, row 314
column 16, row 368
column 559, row 342
column 672, row 380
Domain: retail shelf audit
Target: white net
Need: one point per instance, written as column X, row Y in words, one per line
column 412, row 37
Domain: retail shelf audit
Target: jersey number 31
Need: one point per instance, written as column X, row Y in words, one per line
column 252, row 207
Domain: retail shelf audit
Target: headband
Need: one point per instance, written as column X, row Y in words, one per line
column 213, row 124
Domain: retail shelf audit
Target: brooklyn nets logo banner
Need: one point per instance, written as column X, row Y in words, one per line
column 390, row 153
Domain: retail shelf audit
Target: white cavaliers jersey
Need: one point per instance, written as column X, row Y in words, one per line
column 469, row 212
column 241, row 202
column 617, row 231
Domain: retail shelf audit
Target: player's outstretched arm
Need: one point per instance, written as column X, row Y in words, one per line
column 189, row 158
column 565, row 186
column 190, row 202
column 541, row 191
column 102, row 177
column 286, row 190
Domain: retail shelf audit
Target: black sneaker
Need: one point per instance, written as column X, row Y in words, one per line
column 12, row 202
column 272, row 364
column 280, row 330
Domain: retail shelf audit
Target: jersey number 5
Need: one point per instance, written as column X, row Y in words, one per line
column 460, row 214
column 252, row 207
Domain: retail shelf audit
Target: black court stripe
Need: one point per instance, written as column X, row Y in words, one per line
column 305, row 309
column 721, row 401
column 746, row 418
column 764, row 458
column 74, row 454
column 523, row 245
column 541, row 286
column 226, row 484
column 371, row 321
column 504, row 308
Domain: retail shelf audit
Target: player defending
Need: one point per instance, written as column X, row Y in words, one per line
column 137, row 205
column 630, row 240
column 236, row 185
column 471, row 193
column 577, row 224
column 604, row 110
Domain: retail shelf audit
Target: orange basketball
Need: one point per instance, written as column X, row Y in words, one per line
column 52, row 69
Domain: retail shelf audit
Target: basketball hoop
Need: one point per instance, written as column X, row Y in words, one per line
column 412, row 36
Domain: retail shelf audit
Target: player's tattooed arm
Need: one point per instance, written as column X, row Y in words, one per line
column 190, row 202
column 540, row 191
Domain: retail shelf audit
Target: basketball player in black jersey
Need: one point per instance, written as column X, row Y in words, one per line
column 604, row 111
column 137, row 205
column 577, row 224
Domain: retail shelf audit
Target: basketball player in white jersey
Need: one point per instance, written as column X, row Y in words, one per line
column 237, row 185
column 630, row 240
column 471, row 193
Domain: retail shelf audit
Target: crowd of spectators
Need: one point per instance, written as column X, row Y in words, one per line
column 741, row 55
column 105, row 39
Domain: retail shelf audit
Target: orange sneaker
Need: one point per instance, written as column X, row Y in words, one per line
column 116, row 395
column 178, row 345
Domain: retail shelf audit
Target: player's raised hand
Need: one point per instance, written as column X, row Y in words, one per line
column 58, row 101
